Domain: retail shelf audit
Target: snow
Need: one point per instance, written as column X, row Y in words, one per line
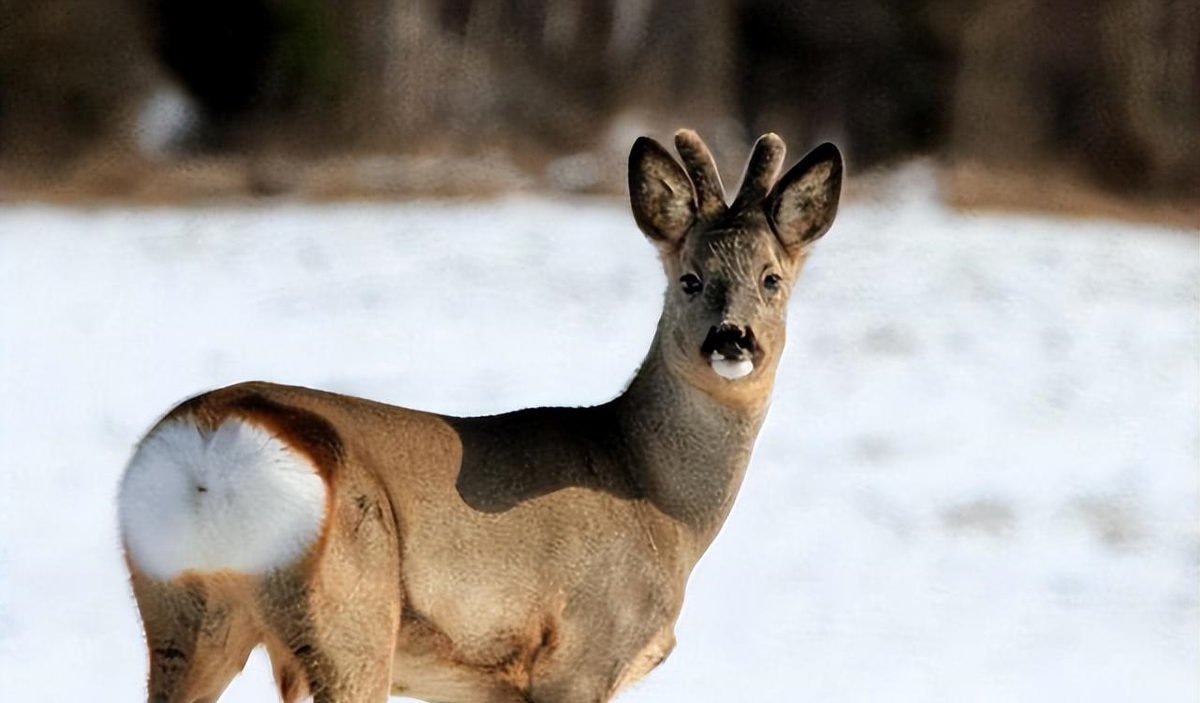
column 978, row 480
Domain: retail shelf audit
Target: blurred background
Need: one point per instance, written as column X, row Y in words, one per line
column 170, row 99
column 978, row 478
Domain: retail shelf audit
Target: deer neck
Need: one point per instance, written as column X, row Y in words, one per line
column 689, row 449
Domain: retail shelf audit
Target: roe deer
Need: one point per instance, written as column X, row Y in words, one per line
column 539, row 555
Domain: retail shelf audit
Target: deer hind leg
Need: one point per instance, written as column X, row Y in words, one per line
column 199, row 633
column 244, row 521
column 208, row 506
column 332, row 622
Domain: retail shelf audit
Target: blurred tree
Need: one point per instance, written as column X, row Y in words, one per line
column 873, row 72
column 1106, row 88
column 68, row 72
column 252, row 63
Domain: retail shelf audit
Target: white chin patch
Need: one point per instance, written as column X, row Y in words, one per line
column 731, row 369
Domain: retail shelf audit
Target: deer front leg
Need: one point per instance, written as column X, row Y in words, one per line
column 580, row 688
column 576, row 670
column 595, row 658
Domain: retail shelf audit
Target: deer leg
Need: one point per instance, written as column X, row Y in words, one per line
column 335, row 676
column 335, row 644
column 332, row 621
column 198, row 636
column 568, row 675
column 571, row 673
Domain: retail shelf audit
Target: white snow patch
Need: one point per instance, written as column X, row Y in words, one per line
column 237, row 498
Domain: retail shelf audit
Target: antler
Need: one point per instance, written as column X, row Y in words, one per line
column 761, row 171
column 698, row 160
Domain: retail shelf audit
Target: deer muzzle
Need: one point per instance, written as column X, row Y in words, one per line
column 731, row 350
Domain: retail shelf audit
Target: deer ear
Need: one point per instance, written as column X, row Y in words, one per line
column 802, row 205
column 664, row 202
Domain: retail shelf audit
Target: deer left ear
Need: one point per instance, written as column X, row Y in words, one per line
column 802, row 205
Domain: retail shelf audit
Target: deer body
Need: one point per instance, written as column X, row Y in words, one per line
column 539, row 555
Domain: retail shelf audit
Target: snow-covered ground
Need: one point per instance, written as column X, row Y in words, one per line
column 978, row 481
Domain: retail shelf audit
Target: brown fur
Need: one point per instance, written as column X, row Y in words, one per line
column 702, row 170
column 539, row 555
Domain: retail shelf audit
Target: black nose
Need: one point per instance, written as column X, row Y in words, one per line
column 731, row 341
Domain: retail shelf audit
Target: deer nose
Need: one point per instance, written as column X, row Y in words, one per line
column 730, row 340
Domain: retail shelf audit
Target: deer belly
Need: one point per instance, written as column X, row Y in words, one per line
column 432, row 677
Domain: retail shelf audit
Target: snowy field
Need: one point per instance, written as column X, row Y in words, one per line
column 978, row 480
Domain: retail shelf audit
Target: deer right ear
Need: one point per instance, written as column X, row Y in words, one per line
column 664, row 203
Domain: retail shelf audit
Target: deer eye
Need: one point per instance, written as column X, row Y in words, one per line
column 771, row 281
column 691, row 283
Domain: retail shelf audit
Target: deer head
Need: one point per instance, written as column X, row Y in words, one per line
column 730, row 267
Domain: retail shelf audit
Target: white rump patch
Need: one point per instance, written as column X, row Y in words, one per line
column 731, row 369
column 236, row 498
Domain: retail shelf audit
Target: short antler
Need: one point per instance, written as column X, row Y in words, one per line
column 762, row 170
column 698, row 160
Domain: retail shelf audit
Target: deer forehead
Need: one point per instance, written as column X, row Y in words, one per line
column 735, row 252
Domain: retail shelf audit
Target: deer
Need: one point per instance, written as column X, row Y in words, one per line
column 537, row 556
